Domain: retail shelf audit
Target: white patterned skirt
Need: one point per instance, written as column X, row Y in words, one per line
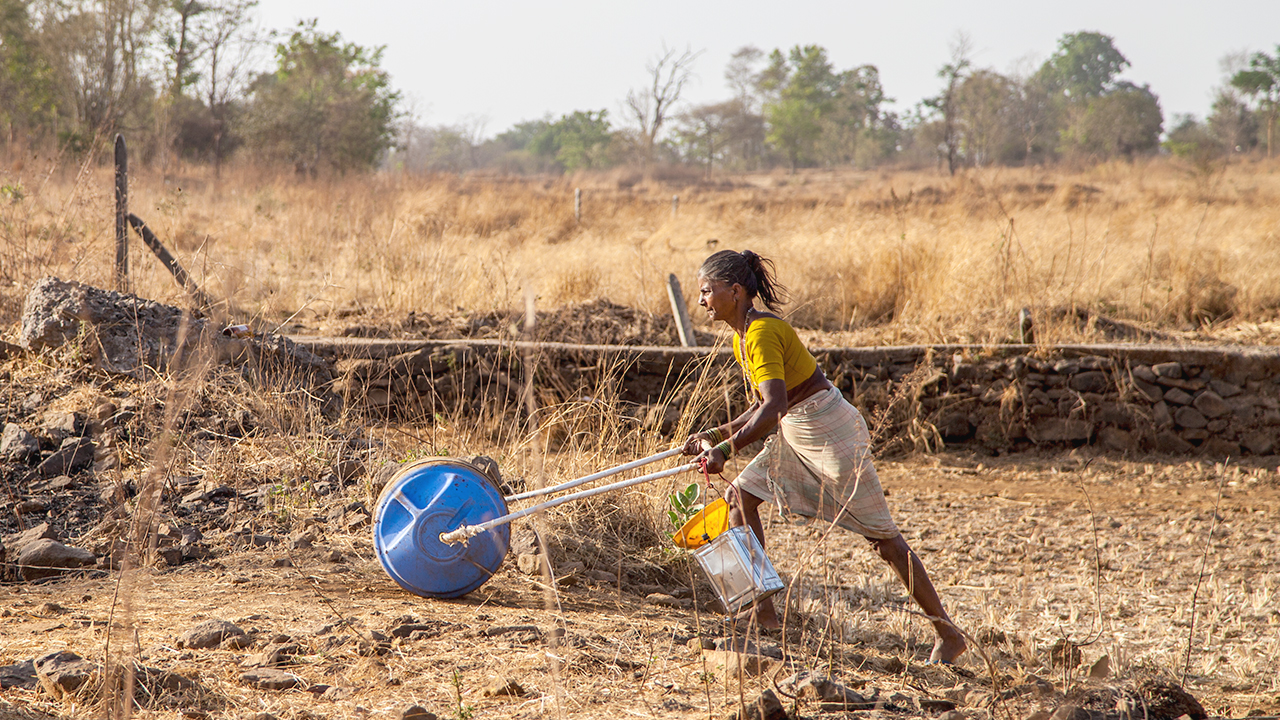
column 819, row 465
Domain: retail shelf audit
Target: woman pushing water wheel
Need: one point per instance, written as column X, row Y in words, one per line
column 818, row 464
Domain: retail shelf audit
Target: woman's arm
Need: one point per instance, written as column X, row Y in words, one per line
column 759, row 420
column 693, row 445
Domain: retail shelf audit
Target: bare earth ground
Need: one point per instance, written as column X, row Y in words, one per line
column 1015, row 549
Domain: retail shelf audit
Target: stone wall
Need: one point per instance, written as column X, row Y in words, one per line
column 1220, row 402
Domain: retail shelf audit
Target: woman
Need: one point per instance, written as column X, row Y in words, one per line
column 819, row 462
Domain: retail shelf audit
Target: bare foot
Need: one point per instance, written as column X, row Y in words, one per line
column 950, row 645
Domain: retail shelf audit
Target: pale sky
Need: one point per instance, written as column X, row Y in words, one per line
column 503, row 62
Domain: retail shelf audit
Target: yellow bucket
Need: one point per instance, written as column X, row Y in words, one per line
column 704, row 527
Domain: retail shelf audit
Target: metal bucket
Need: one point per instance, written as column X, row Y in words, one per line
column 738, row 568
column 429, row 497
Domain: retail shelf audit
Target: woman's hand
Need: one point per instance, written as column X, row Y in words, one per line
column 712, row 460
column 696, row 442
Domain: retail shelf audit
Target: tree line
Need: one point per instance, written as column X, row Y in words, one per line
column 196, row 80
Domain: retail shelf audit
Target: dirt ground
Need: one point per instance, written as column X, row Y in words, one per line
column 1038, row 559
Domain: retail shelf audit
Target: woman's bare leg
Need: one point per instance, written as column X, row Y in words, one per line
column 744, row 509
column 911, row 571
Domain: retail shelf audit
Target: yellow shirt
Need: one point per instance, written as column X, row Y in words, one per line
column 774, row 352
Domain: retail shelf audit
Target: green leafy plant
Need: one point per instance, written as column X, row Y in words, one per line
column 465, row 712
column 684, row 504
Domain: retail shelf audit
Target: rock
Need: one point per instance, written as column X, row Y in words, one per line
column 1224, row 389
column 747, row 647
column 48, row 558
column 833, row 696
column 1149, row 391
column 43, row 531
column 270, row 679
column 765, row 707
column 1060, row 430
column 664, row 600
column 954, row 426
column 74, row 454
column 1070, row 712
column 1101, row 668
column 62, row 673
column 1160, row 415
column 503, row 687
column 1189, row 417
column 1116, row 439
column 209, row 634
column 1144, row 373
column 736, row 663
column 1167, row 701
column 59, row 426
column 19, row 675
column 18, row 445
column 1211, row 404
column 529, row 564
column 1171, row 370
column 275, row 655
column 1168, row 442
column 138, row 337
column 417, row 712
column 1260, row 443
column 937, row 705
column 1219, row 448
column 1177, row 396
column 600, row 576
column 1064, row 653
column 1092, row 381
column 301, row 541
column 952, row 715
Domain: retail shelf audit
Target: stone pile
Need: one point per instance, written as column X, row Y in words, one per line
column 1217, row 402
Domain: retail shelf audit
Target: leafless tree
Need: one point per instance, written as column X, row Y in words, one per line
column 651, row 106
column 230, row 41
column 953, row 73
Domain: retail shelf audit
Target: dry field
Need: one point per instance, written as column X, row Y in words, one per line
column 1050, row 562
column 874, row 257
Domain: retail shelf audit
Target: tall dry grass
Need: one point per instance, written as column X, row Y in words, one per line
column 890, row 257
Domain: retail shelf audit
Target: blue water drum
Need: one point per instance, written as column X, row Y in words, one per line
column 429, row 497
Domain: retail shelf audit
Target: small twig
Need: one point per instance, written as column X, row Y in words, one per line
column 1204, row 559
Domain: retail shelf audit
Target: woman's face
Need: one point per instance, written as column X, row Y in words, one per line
column 719, row 298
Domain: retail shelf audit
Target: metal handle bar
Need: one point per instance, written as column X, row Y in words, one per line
column 597, row 476
column 467, row 531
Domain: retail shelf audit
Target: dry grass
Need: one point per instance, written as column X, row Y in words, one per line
column 875, row 258
column 881, row 257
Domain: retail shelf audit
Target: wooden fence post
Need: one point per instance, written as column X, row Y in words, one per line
column 122, row 215
column 577, row 205
column 675, row 205
column 681, row 312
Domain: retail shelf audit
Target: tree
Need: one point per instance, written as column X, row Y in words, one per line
column 701, row 132
column 802, row 88
column 945, row 103
column 28, row 102
column 1261, row 82
column 328, row 104
column 650, row 106
column 229, row 41
column 1125, row 121
column 576, row 141
column 984, row 117
column 742, row 76
column 1031, row 115
column 854, row 117
column 1232, row 122
column 1084, row 66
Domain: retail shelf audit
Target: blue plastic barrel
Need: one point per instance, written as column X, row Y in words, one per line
column 430, row 497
